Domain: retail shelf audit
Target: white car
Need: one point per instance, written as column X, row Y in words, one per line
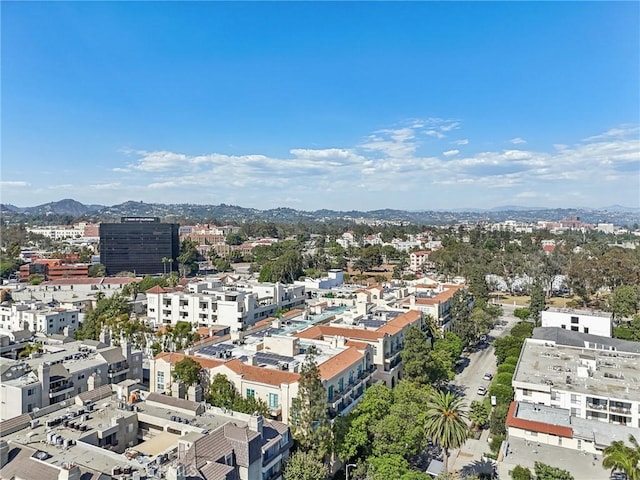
column 482, row 391
column 487, row 376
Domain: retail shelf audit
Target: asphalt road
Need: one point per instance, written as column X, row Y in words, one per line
column 483, row 360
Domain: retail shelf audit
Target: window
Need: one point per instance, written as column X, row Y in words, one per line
column 160, row 381
column 574, row 328
column 526, row 393
column 251, row 393
column 574, row 320
column 574, row 398
column 579, row 444
column 31, row 391
column 273, row 400
column 586, row 329
column 341, row 384
column 331, row 393
column 559, row 441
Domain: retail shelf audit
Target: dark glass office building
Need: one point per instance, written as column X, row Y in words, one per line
column 139, row 245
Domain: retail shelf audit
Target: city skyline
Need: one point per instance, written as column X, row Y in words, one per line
column 342, row 106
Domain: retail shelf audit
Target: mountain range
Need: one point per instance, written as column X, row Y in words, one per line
column 191, row 212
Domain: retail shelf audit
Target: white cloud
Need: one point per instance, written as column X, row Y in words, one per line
column 387, row 161
column 518, row 141
column 14, row 183
column 435, row 133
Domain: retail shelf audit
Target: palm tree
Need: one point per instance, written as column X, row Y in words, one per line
column 445, row 422
column 619, row 456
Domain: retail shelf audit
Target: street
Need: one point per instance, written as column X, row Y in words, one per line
column 467, row 382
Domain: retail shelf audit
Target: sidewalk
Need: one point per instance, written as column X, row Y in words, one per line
column 469, row 457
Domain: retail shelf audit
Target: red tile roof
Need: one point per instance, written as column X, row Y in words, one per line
column 173, row 358
column 256, row 374
column 320, row 331
column 339, row 363
column 532, row 426
column 397, row 324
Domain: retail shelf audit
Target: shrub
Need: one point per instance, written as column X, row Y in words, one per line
column 520, row 473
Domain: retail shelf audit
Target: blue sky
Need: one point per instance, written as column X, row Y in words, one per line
column 322, row 105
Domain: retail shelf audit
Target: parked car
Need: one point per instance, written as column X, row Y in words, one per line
column 488, row 377
column 482, row 391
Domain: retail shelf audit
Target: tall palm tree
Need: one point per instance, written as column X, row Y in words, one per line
column 445, row 422
column 619, row 456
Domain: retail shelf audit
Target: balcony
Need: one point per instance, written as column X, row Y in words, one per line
column 117, row 370
column 61, row 389
column 624, row 409
column 597, row 406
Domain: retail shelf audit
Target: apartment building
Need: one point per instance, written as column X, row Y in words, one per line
column 584, row 321
column 127, row 434
column 597, row 380
column 385, row 334
column 268, row 368
column 417, row 259
column 206, row 304
column 62, row 371
column 38, row 317
column 433, row 299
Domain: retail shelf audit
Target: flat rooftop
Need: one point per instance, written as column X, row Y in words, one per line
column 616, row 374
column 591, row 313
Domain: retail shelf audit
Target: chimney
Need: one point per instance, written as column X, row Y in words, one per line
column 255, row 423
column 126, row 349
column 194, row 393
column 177, row 389
column 69, row 472
column 93, row 382
column 105, row 336
column 4, row 453
column 44, row 377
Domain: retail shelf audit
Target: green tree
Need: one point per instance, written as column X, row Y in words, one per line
column 357, row 438
column 309, row 420
column 29, row 349
column 547, row 472
column 522, row 313
column 415, row 356
column 188, row 258
column 222, row 392
column 392, row 466
column 305, row 466
column 497, row 420
column 625, row 301
column 97, row 270
column 503, row 393
column 445, row 422
column 620, row 457
column 537, row 301
column 479, row 413
column 520, row 473
column 235, row 239
column 187, row 371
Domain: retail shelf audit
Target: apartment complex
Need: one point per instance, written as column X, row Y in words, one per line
column 205, row 304
column 61, row 371
column 39, row 317
column 142, row 245
column 124, row 433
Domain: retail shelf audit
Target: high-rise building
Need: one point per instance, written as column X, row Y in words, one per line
column 141, row 245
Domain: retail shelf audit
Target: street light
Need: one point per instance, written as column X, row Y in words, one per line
column 346, row 469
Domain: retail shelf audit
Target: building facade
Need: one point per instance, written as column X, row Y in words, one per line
column 142, row 245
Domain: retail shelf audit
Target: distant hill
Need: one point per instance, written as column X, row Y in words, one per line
column 186, row 213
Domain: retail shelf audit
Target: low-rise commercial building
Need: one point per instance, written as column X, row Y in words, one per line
column 584, row 321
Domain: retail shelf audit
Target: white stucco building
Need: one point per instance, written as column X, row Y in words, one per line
column 583, row 321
